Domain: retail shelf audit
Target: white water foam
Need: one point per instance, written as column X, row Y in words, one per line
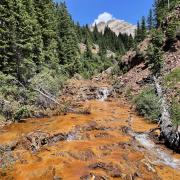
column 162, row 157
column 103, row 93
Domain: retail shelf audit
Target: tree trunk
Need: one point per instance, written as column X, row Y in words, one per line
column 169, row 133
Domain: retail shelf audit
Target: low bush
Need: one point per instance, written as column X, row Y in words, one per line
column 148, row 104
column 49, row 82
column 116, row 70
column 175, row 113
column 157, row 37
column 172, row 31
column 173, row 78
column 128, row 93
column 22, row 112
column 18, row 101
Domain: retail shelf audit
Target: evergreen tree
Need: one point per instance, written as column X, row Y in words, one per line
column 143, row 28
column 96, row 34
column 161, row 8
column 150, row 20
column 47, row 19
column 79, row 32
column 67, row 40
column 88, row 52
column 35, row 33
column 18, row 55
column 87, row 35
column 138, row 33
column 130, row 43
column 6, row 23
column 155, row 52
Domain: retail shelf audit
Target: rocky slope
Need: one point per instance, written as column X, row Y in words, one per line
column 138, row 75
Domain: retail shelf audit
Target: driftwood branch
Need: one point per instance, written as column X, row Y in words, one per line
column 42, row 92
column 46, row 95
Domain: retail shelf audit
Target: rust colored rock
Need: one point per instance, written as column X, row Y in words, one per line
column 112, row 169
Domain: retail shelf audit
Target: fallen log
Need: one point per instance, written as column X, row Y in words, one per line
column 169, row 133
column 46, row 96
column 42, row 92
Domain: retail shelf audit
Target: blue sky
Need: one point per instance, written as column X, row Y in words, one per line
column 86, row 11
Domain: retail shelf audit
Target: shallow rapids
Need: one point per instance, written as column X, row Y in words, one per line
column 159, row 154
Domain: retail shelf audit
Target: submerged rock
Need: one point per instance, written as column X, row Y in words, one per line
column 36, row 140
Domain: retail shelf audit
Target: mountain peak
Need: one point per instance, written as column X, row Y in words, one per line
column 116, row 25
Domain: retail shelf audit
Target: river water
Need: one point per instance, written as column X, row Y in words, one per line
column 97, row 146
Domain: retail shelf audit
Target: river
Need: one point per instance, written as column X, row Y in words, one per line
column 92, row 146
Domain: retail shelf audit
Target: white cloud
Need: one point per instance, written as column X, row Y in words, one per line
column 104, row 17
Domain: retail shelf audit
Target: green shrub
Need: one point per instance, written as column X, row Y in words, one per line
column 116, row 70
column 173, row 78
column 175, row 113
column 21, row 113
column 20, row 101
column 2, row 118
column 155, row 59
column 8, row 107
column 128, row 93
column 157, row 37
column 49, row 82
column 172, row 31
column 8, row 85
column 148, row 104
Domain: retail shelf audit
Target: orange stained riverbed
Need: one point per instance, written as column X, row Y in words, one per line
column 97, row 148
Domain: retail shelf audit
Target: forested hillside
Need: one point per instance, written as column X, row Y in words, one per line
column 39, row 51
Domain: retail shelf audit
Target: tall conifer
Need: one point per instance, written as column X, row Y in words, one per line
column 67, row 40
column 47, row 19
column 150, row 20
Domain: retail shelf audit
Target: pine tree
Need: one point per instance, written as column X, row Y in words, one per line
column 87, row 35
column 160, row 10
column 96, row 34
column 36, row 34
column 138, row 33
column 67, row 40
column 47, row 18
column 143, row 28
column 155, row 52
column 79, row 32
column 6, row 24
column 130, row 43
column 150, row 20
column 19, row 31
column 88, row 52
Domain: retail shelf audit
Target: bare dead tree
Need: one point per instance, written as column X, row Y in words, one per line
column 169, row 132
